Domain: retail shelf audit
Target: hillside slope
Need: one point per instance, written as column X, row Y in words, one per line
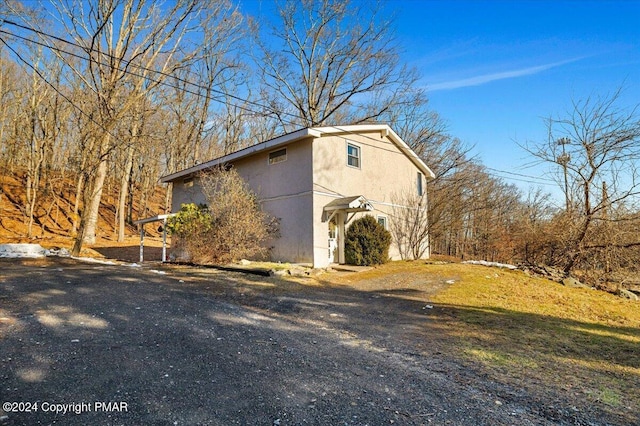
column 53, row 216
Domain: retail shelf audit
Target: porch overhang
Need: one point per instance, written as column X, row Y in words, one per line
column 353, row 204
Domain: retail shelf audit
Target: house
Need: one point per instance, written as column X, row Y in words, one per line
column 315, row 180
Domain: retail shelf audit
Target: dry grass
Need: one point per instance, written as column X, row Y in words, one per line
column 529, row 332
column 53, row 216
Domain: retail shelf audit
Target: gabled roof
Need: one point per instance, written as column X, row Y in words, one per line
column 309, row 132
column 352, row 204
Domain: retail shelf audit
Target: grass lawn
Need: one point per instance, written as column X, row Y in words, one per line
column 531, row 332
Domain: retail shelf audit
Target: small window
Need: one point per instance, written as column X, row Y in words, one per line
column 278, row 156
column 382, row 220
column 353, row 155
column 420, row 189
column 187, row 182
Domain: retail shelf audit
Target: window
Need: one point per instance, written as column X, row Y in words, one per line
column 188, row 182
column 278, row 156
column 420, row 190
column 353, row 155
column 382, row 220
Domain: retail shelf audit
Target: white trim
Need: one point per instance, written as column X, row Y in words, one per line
column 381, row 203
column 272, row 143
column 312, row 132
column 359, row 157
column 154, row 218
column 385, row 220
column 384, row 130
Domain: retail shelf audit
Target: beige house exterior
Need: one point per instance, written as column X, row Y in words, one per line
column 315, row 181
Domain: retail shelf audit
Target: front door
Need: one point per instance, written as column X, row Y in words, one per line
column 333, row 241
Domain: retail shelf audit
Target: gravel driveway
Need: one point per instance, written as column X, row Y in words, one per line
column 84, row 343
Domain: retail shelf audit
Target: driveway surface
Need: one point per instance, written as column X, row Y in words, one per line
column 94, row 344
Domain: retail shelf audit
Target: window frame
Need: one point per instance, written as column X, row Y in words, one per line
column 277, row 159
column 384, row 222
column 419, row 184
column 358, row 157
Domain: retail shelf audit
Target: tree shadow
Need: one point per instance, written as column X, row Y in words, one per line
column 553, row 338
column 211, row 344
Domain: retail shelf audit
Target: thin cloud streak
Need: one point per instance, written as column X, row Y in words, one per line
column 487, row 78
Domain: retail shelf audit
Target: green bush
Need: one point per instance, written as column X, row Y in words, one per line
column 367, row 242
column 191, row 220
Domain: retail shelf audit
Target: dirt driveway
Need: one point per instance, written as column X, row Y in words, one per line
column 97, row 344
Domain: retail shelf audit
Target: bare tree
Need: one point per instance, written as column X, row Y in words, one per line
column 595, row 148
column 331, row 59
column 230, row 227
column 410, row 225
column 132, row 47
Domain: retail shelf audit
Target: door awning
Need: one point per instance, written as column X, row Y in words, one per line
column 353, row 204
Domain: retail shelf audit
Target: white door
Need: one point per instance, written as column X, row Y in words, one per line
column 333, row 241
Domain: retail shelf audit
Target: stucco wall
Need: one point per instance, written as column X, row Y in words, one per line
column 384, row 171
column 284, row 190
column 182, row 194
column 315, row 173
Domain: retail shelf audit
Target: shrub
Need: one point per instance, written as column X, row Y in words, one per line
column 367, row 242
column 231, row 227
column 190, row 230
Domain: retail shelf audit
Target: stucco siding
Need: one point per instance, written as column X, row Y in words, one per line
column 384, row 172
column 185, row 194
column 284, row 190
column 315, row 173
column 295, row 241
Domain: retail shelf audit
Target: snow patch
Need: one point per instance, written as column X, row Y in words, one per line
column 92, row 260
column 494, row 264
column 22, row 250
column 61, row 252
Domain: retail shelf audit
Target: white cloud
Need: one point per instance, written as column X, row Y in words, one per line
column 487, row 78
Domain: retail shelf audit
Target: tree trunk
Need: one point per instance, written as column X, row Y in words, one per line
column 93, row 207
column 124, row 187
column 76, row 204
column 89, row 218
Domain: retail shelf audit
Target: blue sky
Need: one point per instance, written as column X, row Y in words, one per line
column 495, row 69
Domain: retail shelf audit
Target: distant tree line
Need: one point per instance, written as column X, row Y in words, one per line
column 120, row 92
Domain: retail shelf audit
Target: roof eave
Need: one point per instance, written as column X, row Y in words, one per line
column 406, row 149
column 272, row 143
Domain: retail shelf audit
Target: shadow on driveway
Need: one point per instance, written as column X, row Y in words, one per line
column 173, row 347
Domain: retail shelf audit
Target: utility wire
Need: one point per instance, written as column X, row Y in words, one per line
column 128, row 62
column 166, row 83
column 164, row 74
column 198, row 94
column 43, row 78
column 522, row 175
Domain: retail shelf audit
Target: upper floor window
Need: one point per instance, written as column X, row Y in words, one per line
column 278, row 156
column 419, row 182
column 353, row 155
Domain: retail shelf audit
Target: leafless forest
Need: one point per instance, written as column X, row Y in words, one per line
column 120, row 92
